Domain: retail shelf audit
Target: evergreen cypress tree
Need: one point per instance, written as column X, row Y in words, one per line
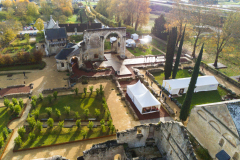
column 170, row 52
column 159, row 29
column 81, row 16
column 188, row 98
column 178, row 56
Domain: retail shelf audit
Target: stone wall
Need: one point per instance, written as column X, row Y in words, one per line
column 212, row 125
column 63, row 89
column 105, row 151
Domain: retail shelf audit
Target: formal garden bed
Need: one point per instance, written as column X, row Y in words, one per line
column 71, row 107
column 9, row 112
column 144, row 50
column 32, row 138
column 13, row 50
column 76, row 38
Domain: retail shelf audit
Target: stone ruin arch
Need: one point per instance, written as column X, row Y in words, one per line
column 94, row 42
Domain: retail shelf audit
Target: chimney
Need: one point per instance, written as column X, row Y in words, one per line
column 57, row 23
column 50, row 17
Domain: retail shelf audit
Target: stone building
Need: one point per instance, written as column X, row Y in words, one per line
column 91, row 48
column 217, row 127
column 167, row 140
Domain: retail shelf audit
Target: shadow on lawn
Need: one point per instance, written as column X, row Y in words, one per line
column 76, row 134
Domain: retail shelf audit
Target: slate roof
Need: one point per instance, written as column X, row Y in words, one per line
column 56, row 33
column 234, row 110
column 63, row 54
column 80, row 27
column 222, row 155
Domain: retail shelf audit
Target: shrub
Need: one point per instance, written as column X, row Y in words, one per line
column 1, row 142
column 91, row 89
column 49, row 111
column 21, row 132
column 32, row 122
column 55, row 94
column 31, row 136
column 49, row 98
column 17, row 109
column 27, row 47
column 58, row 113
column 7, row 59
column 76, row 91
column 105, row 106
column 6, row 102
column 40, row 96
column 108, row 114
column 97, row 91
column 109, row 123
column 85, row 91
column 50, row 122
column 97, row 112
column 67, row 110
column 5, row 133
column 34, row 98
column 102, row 122
column 11, row 106
column 14, row 101
column 86, row 112
column 37, row 55
column 33, row 103
column 61, row 124
column 84, row 133
column 90, row 125
column 112, row 128
column 21, row 102
column 103, row 128
column 77, row 115
column 39, row 125
column 18, row 141
column 35, row 113
column 78, row 123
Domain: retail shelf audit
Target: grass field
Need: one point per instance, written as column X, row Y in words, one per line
column 73, row 19
column 77, row 103
column 77, row 38
column 24, row 67
column 205, row 97
column 138, row 51
column 50, row 136
column 107, row 45
column 159, row 76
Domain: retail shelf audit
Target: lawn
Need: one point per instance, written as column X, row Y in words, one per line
column 107, row 45
column 159, row 45
column 77, row 104
column 24, row 67
column 139, row 51
column 73, row 19
column 19, row 42
column 50, row 136
column 159, row 76
column 205, row 97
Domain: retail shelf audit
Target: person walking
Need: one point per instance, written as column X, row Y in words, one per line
column 24, row 74
column 170, row 97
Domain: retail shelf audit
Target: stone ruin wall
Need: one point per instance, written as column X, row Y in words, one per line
column 104, row 152
column 171, row 138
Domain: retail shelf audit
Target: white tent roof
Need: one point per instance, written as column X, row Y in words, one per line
column 147, row 37
column 147, row 100
column 143, row 41
column 138, row 88
column 134, row 34
column 113, row 39
column 130, row 41
column 184, row 82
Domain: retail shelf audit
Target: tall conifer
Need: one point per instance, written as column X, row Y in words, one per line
column 188, row 98
column 170, row 52
column 175, row 69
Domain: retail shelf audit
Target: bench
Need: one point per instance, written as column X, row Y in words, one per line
column 92, row 119
column 44, row 126
column 188, row 56
column 68, row 126
column 44, row 119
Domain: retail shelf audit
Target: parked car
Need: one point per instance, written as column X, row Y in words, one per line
column 30, row 28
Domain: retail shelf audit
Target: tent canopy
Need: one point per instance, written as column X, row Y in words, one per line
column 147, row 100
column 143, row 41
column 184, row 82
column 113, row 39
column 137, row 89
column 130, row 41
column 149, row 38
column 134, row 36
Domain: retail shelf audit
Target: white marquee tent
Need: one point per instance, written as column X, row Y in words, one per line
column 143, row 98
column 130, row 43
column 113, row 39
column 149, row 38
column 180, row 86
column 134, row 36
